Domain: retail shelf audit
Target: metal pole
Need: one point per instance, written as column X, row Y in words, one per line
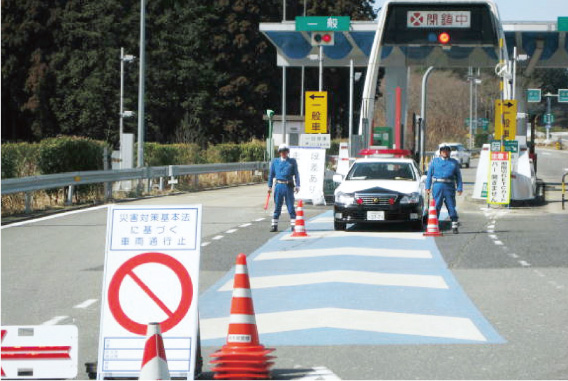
column 283, row 10
column 121, row 128
column 321, row 68
column 140, row 162
column 470, row 79
column 302, row 91
column 284, row 139
column 514, row 90
column 423, row 115
column 475, row 116
column 548, row 111
column 351, row 79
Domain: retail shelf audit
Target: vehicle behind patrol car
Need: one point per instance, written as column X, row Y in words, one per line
column 380, row 190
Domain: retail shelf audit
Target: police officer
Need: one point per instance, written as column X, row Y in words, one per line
column 443, row 174
column 284, row 172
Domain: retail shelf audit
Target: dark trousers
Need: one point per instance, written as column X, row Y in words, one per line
column 283, row 192
column 445, row 192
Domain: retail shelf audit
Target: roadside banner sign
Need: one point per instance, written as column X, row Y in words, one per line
column 39, row 352
column 506, row 119
column 151, row 275
column 499, row 181
column 311, row 166
column 316, row 112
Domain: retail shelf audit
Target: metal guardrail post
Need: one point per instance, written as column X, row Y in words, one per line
column 29, row 199
column 70, row 190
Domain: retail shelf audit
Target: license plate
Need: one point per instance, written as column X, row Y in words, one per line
column 375, row 216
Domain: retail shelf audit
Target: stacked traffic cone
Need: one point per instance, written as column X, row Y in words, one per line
column 300, row 227
column 154, row 363
column 243, row 357
column 432, row 230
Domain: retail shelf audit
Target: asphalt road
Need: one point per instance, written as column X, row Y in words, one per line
column 511, row 262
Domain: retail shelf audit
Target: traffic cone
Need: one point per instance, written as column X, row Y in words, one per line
column 300, row 227
column 432, row 230
column 242, row 357
column 154, row 362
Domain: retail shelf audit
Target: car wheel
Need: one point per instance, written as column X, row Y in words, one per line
column 340, row 226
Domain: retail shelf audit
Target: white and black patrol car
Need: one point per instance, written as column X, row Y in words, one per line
column 380, row 189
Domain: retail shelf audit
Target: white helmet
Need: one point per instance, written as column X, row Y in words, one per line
column 283, row 147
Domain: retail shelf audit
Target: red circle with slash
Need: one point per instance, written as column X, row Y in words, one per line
column 174, row 317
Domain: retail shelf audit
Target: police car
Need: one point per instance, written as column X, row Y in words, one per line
column 380, row 190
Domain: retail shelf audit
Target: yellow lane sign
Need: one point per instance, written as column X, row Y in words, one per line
column 505, row 119
column 316, row 112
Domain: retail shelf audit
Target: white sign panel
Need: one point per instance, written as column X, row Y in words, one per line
column 438, row 19
column 311, row 166
column 36, row 352
column 315, row 140
column 151, row 275
column 499, row 182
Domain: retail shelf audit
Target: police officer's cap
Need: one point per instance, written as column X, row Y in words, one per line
column 283, row 147
column 445, row 148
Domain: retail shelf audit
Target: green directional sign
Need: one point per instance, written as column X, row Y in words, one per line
column 323, row 23
column 563, row 95
column 534, row 95
column 563, row 24
column 548, row 118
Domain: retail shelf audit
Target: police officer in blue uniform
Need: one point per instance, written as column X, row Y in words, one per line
column 443, row 174
column 284, row 172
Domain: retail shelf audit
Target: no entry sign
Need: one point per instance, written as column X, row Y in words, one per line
column 151, row 275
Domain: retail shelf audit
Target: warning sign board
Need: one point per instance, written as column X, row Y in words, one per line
column 505, row 119
column 38, row 352
column 151, row 275
column 316, row 112
column 499, row 182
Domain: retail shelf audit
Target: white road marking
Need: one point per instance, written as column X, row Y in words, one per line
column 245, row 225
column 354, row 235
column 341, row 276
column 360, row 320
column 540, row 274
column 352, row 251
column 86, row 303
column 490, row 231
column 319, row 373
column 498, row 243
column 524, row 263
column 217, row 237
column 203, row 244
column 260, row 219
column 513, row 255
column 492, row 236
column 55, row 320
column 54, row 216
column 231, row 231
column 492, row 226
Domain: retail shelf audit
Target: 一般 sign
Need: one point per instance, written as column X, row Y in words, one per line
column 505, row 119
column 323, row 23
column 151, row 275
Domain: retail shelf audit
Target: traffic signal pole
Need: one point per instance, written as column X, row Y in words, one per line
column 320, row 68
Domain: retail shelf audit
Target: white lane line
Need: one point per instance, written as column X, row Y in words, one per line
column 513, row 255
column 498, row 243
column 217, row 237
column 55, row 320
column 231, row 231
column 260, row 219
column 245, row 225
column 492, row 236
column 53, row 216
column 203, row 244
column 319, row 373
column 360, row 320
column 540, row 274
column 86, row 303
column 492, row 226
column 524, row 263
column 341, row 276
column 354, row 235
column 351, row 251
column 490, row 231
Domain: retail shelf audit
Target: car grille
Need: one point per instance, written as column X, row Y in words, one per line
column 376, row 199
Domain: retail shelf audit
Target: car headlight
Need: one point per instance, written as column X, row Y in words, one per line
column 413, row 198
column 344, row 198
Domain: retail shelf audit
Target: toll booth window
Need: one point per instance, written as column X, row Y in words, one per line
column 423, row 24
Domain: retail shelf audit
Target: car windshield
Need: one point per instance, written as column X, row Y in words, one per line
column 381, row 171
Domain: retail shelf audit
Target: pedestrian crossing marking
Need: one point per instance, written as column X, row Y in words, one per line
column 337, row 251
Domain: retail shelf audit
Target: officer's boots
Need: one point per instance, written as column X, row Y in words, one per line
column 274, row 228
column 455, row 225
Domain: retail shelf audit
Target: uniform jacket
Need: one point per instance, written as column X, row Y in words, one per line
column 284, row 170
column 444, row 169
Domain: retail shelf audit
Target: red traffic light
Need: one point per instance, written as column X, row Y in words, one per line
column 326, row 37
column 444, row 38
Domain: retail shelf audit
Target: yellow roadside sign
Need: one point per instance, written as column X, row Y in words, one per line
column 505, row 119
column 316, row 112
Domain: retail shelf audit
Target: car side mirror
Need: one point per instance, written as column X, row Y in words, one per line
column 337, row 178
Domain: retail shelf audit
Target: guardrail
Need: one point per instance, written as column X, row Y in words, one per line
column 72, row 179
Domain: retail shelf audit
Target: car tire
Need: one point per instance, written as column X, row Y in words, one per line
column 339, row 226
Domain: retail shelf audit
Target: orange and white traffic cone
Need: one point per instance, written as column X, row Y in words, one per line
column 299, row 227
column 432, row 230
column 154, row 362
column 243, row 357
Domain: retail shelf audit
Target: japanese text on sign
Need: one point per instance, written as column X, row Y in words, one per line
column 311, row 165
column 505, row 119
column 441, row 19
column 316, row 112
column 499, row 182
column 153, row 230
